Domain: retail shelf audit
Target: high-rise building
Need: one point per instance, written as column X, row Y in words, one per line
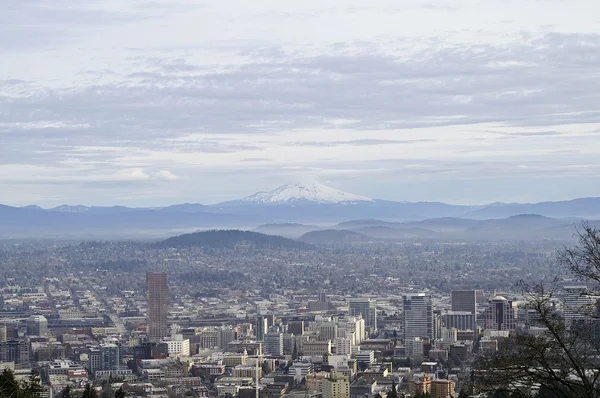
column 418, row 319
column 336, row 386
column 500, row 315
column 226, row 335
column 109, row 357
column 274, row 343
column 158, row 305
column 327, row 331
column 366, row 308
column 262, row 325
column 37, row 325
column 578, row 304
column 464, row 300
column 16, row 351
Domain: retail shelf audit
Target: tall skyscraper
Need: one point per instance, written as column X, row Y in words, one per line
column 158, row 305
column 366, row 308
column 262, row 326
column 418, row 319
column 464, row 300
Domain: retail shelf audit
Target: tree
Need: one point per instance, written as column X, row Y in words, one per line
column 394, row 392
column 563, row 359
column 463, row 394
column 32, row 385
column 9, row 386
column 295, row 352
column 66, row 392
column 29, row 387
column 89, row 392
column 120, row 393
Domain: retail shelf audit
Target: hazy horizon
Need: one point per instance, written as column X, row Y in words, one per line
column 155, row 103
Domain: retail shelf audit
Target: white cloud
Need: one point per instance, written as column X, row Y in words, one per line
column 207, row 101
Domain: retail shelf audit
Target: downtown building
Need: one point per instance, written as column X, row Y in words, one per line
column 417, row 317
column 500, row 315
column 158, row 305
column 365, row 308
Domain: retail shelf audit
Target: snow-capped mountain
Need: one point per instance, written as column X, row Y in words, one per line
column 313, row 192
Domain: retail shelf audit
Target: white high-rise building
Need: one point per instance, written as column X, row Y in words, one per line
column 176, row 344
column 418, row 319
column 353, row 328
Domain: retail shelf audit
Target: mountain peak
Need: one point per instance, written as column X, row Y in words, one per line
column 313, row 192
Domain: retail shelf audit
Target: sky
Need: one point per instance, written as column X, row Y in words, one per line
column 149, row 103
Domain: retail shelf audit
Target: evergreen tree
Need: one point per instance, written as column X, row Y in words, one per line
column 463, row 394
column 120, row 393
column 393, row 393
column 66, row 392
column 295, row 352
column 89, row 392
column 9, row 386
column 32, row 385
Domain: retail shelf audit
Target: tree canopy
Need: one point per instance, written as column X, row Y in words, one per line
column 551, row 357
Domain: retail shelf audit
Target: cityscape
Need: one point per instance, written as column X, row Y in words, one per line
column 299, row 199
column 242, row 318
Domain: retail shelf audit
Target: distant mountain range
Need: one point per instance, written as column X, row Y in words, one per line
column 297, row 207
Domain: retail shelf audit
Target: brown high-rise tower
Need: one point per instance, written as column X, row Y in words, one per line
column 158, row 305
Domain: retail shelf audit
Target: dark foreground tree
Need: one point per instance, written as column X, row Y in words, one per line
column 29, row 387
column 556, row 359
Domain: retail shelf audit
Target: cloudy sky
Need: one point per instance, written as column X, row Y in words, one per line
column 157, row 102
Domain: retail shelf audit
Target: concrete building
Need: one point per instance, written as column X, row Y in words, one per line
column 327, row 331
column 109, row 357
column 177, row 345
column 16, row 351
column 295, row 327
column 158, row 305
column 316, row 348
column 335, row 386
column 417, row 319
column 578, row 304
column 464, row 300
column 461, row 320
column 273, row 343
column 441, row 388
column 367, row 309
column 37, row 325
column 343, row 346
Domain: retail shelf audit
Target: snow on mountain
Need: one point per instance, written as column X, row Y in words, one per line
column 304, row 193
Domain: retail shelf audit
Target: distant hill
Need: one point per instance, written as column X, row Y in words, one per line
column 227, row 239
column 334, row 236
column 400, row 233
column 582, row 207
column 288, row 230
